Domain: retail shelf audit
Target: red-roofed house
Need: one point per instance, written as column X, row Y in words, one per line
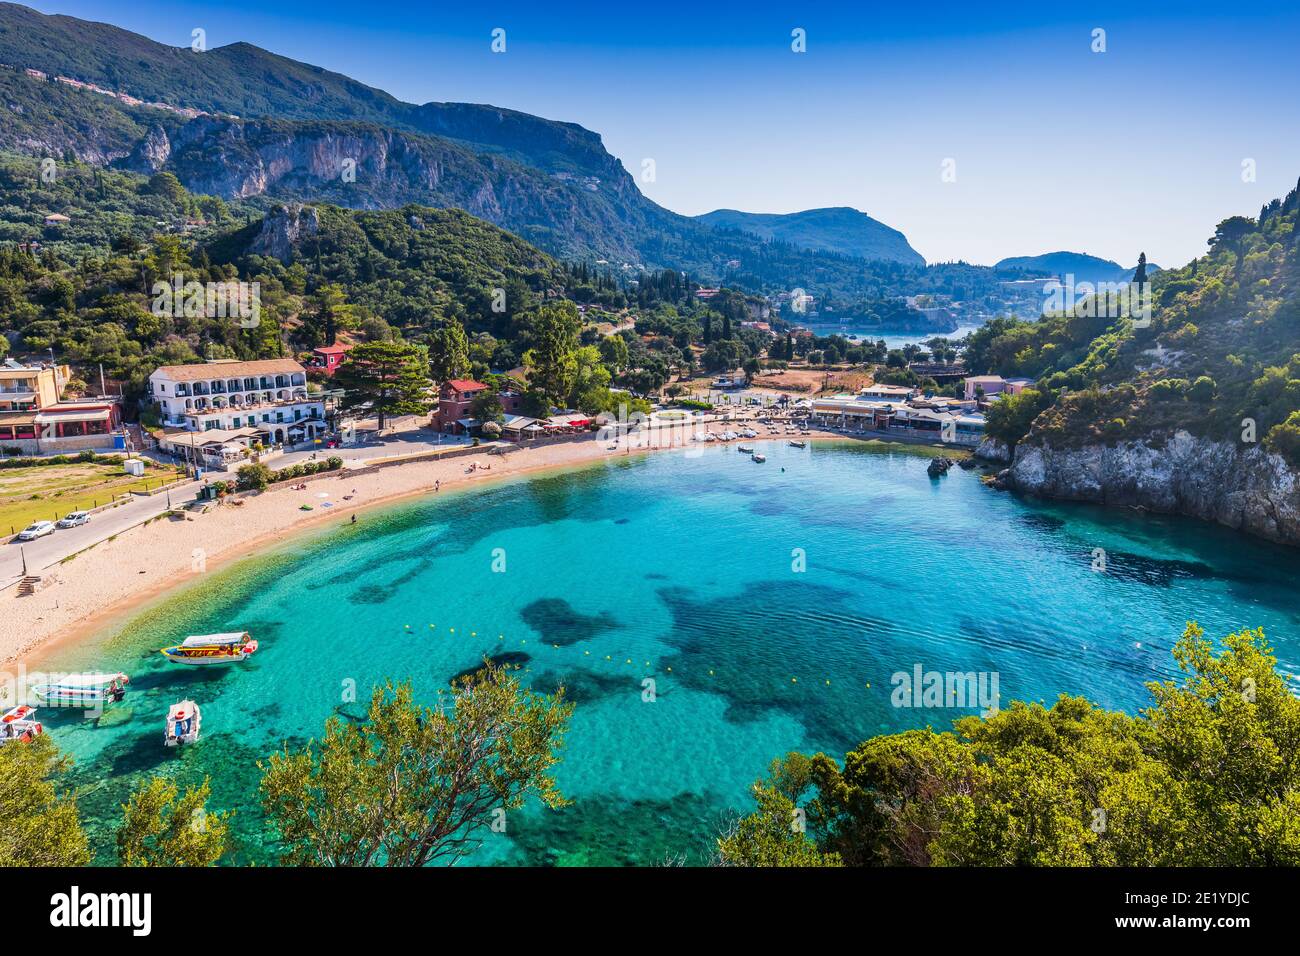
column 328, row 358
column 454, row 399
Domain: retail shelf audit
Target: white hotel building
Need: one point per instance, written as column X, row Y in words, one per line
column 236, row 403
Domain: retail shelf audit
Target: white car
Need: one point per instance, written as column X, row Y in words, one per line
column 73, row 518
column 38, row 530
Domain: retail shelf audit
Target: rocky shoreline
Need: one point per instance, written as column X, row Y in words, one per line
column 1246, row 488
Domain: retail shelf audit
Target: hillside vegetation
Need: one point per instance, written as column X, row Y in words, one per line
column 1220, row 356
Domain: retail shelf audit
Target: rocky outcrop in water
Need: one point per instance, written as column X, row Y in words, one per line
column 939, row 466
column 1243, row 487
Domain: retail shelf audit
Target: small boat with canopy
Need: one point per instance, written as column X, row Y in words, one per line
column 83, row 690
column 202, row 650
column 182, row 724
column 19, row 724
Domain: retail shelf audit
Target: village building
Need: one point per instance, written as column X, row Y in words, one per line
column 886, row 393
column 455, row 397
column 261, row 402
column 35, row 421
column 328, row 358
column 918, row 418
column 990, row 385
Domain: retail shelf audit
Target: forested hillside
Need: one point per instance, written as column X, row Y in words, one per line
column 1220, row 357
column 282, row 129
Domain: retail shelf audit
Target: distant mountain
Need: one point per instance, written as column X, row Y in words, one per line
column 840, row 229
column 1083, row 267
column 274, row 127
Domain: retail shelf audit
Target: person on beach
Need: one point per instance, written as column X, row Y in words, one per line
column 354, row 519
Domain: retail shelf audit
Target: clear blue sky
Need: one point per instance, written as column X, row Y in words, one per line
column 1055, row 147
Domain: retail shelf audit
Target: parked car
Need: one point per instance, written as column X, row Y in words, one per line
column 73, row 518
column 38, row 530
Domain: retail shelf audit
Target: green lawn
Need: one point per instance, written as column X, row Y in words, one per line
column 51, row 491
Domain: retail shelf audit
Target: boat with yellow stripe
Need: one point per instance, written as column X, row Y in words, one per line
column 205, row 650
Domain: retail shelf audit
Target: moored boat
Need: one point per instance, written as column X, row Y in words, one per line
column 746, row 449
column 758, row 458
column 83, row 690
column 798, row 444
column 19, row 724
column 182, row 724
column 201, row 650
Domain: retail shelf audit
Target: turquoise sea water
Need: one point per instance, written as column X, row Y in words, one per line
column 681, row 569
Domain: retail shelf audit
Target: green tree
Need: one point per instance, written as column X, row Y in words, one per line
column 614, row 353
column 552, row 363
column 330, row 313
column 487, row 406
column 390, row 378
column 38, row 826
column 1009, row 418
column 416, row 785
column 1206, row 776
column 449, row 352
column 771, row 836
column 160, row 827
column 254, row 476
column 1232, row 234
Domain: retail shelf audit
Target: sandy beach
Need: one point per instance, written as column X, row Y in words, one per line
column 118, row 577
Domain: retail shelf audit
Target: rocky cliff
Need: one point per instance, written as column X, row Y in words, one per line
column 1243, row 487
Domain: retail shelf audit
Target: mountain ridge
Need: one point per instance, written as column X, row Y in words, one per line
column 839, row 229
column 1083, row 266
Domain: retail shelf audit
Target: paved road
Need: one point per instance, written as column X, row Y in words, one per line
column 53, row 548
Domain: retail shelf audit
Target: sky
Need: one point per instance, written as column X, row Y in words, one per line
column 978, row 133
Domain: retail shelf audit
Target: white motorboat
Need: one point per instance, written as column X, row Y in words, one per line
column 83, row 690
column 19, row 724
column 758, row 458
column 182, row 724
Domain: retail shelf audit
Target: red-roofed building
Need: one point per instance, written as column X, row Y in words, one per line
column 455, row 397
column 328, row 358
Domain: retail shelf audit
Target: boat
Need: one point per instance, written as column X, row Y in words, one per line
column 746, row 449
column 798, row 444
column 83, row 690
column 758, row 458
column 202, row 650
column 182, row 724
column 19, row 724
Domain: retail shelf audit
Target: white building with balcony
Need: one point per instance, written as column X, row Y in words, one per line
column 265, row 401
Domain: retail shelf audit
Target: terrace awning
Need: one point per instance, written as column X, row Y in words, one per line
column 90, row 415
